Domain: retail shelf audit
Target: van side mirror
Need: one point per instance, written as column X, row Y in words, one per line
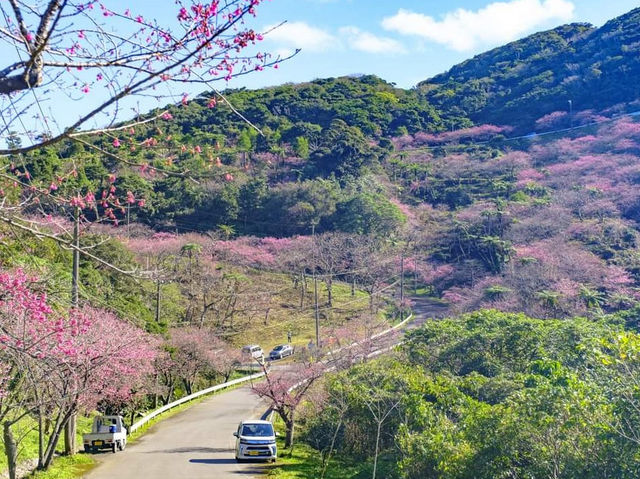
column 235, row 434
column 277, row 434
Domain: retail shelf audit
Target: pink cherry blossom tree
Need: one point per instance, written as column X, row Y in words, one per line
column 57, row 364
column 286, row 389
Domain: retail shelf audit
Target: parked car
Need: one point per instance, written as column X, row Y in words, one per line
column 107, row 432
column 253, row 351
column 281, row 351
column 256, row 439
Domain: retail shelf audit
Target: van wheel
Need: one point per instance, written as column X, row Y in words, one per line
column 113, row 448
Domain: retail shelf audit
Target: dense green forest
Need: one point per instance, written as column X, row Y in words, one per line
column 487, row 395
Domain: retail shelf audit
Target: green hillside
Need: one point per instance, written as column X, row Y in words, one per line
column 527, row 79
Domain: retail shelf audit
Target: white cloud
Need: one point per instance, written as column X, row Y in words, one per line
column 370, row 43
column 301, row 35
column 497, row 23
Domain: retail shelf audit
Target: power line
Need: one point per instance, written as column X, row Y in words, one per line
column 529, row 136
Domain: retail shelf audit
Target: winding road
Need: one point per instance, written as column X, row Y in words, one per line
column 198, row 442
column 195, row 443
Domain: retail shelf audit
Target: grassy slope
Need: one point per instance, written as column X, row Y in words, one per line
column 286, row 315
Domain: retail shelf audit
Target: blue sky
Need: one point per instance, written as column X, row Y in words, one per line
column 406, row 41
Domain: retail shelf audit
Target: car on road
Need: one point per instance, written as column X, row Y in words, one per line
column 256, row 439
column 281, row 351
column 107, row 432
column 253, row 351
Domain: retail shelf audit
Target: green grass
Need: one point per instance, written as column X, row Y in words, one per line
column 304, row 462
column 28, row 447
column 66, row 467
column 286, row 314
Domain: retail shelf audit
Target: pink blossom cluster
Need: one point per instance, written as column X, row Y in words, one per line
column 475, row 133
column 92, row 351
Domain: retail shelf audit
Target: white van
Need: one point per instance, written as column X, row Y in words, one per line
column 253, row 351
column 256, row 439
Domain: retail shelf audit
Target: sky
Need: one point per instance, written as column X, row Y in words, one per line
column 405, row 41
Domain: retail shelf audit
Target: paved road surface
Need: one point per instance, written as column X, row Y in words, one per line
column 196, row 443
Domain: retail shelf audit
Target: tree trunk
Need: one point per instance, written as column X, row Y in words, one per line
column 10, row 449
column 329, row 284
column 70, row 436
column 40, row 440
column 60, row 424
column 155, row 392
column 188, row 386
column 375, row 457
column 325, row 462
column 353, row 287
column 289, row 424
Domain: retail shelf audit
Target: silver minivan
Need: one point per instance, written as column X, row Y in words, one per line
column 256, row 439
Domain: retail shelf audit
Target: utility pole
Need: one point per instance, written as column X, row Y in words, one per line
column 157, row 300
column 75, row 272
column 315, row 289
column 571, row 113
column 315, row 295
column 402, row 287
column 70, row 427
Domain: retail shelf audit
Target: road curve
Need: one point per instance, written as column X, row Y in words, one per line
column 195, row 443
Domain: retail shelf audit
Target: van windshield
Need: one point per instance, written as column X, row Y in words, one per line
column 262, row 430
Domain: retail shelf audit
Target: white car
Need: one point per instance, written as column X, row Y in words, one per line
column 253, row 351
column 256, row 439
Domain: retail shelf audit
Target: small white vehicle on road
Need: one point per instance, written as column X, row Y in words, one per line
column 253, row 351
column 255, row 439
column 108, row 432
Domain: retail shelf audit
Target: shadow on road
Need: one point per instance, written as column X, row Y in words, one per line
column 222, row 460
column 182, row 450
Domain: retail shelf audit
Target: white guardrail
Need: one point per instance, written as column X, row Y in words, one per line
column 190, row 397
column 145, row 419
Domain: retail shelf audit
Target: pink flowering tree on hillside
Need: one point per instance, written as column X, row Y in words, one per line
column 104, row 358
column 194, row 352
column 286, row 389
column 55, row 365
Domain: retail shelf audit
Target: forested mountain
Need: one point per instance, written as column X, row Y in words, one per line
column 524, row 80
